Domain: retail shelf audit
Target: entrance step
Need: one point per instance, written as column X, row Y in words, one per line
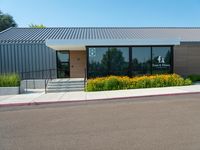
column 65, row 85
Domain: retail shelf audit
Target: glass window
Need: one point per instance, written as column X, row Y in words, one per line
column 104, row 61
column 161, row 60
column 63, row 56
column 97, row 66
column 108, row 61
column 118, row 60
column 63, row 64
column 141, row 60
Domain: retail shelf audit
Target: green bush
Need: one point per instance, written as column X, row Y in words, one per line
column 123, row 82
column 112, row 83
column 194, row 77
column 8, row 80
column 188, row 81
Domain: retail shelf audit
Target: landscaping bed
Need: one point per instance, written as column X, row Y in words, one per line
column 9, row 84
column 124, row 82
column 194, row 77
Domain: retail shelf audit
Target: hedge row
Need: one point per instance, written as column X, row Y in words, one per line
column 124, row 82
column 8, row 80
column 194, row 77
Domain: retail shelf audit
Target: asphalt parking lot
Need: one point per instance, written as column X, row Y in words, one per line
column 151, row 123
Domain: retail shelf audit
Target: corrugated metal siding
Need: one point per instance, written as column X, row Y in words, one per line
column 35, row 35
column 33, row 60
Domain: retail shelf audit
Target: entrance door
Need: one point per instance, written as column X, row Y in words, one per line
column 77, row 64
column 63, row 64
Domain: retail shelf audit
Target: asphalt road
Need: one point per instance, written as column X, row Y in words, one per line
column 154, row 123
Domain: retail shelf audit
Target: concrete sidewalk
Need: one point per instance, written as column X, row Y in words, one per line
column 39, row 97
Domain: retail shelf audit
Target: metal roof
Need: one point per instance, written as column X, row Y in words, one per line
column 36, row 35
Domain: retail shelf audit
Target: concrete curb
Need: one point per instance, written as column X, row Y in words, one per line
column 93, row 100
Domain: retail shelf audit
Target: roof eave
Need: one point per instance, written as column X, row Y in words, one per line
column 81, row 44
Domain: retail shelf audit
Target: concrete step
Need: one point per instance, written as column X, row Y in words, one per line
column 64, row 90
column 65, row 85
column 68, row 79
column 57, row 82
column 62, row 84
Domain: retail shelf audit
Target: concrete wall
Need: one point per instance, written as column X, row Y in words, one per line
column 77, row 64
column 9, row 90
column 33, row 84
column 187, row 59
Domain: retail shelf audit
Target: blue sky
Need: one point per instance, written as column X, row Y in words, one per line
column 81, row 13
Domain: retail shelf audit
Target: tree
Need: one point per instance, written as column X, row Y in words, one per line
column 6, row 21
column 113, row 61
column 37, row 26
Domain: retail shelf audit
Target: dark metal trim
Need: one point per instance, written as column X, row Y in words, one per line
column 87, row 60
column 130, row 46
column 197, row 43
column 64, row 62
column 151, row 67
column 130, row 69
column 69, row 64
column 172, row 59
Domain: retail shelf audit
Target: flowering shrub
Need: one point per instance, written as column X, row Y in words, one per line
column 124, row 82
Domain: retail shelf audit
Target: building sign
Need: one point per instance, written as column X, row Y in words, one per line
column 92, row 52
column 160, row 63
column 161, row 60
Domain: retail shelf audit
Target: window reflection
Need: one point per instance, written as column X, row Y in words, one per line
column 104, row 61
column 108, row 61
column 63, row 64
column 96, row 67
column 118, row 61
column 141, row 60
column 161, row 60
column 63, row 56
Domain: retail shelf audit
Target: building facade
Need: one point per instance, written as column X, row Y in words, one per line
column 75, row 52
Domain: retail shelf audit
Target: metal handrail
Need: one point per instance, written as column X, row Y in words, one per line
column 85, row 77
column 31, row 75
column 46, row 75
column 46, row 83
column 28, row 73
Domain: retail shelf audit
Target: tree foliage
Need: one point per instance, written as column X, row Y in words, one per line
column 113, row 61
column 6, row 21
column 37, row 26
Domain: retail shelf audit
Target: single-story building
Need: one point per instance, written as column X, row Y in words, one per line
column 73, row 52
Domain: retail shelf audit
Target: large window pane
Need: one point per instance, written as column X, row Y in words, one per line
column 97, row 66
column 63, row 56
column 161, row 60
column 141, row 60
column 108, row 61
column 118, row 60
column 63, row 70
